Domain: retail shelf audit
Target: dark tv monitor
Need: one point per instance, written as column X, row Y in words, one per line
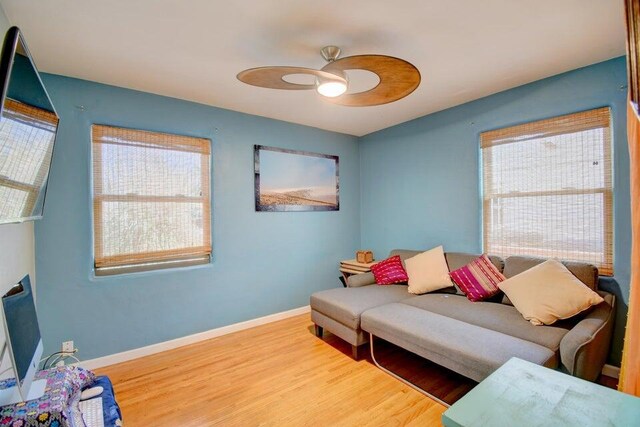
column 23, row 343
column 28, row 125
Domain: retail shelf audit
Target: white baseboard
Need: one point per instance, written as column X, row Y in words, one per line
column 189, row 339
column 608, row 370
column 611, row 371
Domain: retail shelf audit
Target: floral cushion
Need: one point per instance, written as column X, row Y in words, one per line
column 58, row 404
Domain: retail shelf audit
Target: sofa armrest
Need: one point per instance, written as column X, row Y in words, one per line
column 584, row 349
column 362, row 279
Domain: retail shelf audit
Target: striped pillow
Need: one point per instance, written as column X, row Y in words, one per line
column 389, row 271
column 479, row 279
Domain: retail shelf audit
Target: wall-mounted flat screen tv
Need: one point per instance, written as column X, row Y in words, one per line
column 28, row 125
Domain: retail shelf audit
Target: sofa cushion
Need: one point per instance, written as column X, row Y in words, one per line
column 455, row 260
column 345, row 305
column 404, row 253
column 479, row 279
column 389, row 271
column 465, row 348
column 497, row 317
column 428, row 272
column 586, row 273
column 548, row 292
column 514, row 265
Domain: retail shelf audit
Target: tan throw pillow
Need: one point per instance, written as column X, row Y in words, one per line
column 428, row 271
column 548, row 292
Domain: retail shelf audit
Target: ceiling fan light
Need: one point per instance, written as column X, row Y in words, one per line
column 331, row 89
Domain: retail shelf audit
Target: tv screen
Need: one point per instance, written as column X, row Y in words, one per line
column 28, row 125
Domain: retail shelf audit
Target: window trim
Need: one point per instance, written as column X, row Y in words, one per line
column 152, row 266
column 156, row 260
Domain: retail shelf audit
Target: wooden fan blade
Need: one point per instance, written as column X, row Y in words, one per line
column 398, row 78
column 272, row 77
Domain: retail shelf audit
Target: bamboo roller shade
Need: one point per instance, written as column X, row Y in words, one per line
column 29, row 112
column 548, row 189
column 151, row 197
column 28, row 135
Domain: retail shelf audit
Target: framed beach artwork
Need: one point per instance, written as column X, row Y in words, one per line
column 289, row 180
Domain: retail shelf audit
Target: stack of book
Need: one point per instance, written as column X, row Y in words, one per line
column 352, row 266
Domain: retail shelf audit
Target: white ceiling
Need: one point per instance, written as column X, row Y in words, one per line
column 193, row 49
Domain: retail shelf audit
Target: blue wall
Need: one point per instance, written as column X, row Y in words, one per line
column 420, row 181
column 415, row 185
column 263, row 263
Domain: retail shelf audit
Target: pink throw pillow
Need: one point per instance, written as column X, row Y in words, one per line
column 479, row 279
column 389, row 271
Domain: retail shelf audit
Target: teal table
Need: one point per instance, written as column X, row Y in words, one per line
column 521, row 393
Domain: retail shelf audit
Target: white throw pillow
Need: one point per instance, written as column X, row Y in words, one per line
column 548, row 292
column 428, row 271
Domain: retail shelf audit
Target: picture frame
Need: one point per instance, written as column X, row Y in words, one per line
column 295, row 181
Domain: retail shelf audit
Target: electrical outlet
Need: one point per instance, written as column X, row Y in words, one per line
column 67, row 346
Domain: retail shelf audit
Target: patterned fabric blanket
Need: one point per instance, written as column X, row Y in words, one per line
column 58, row 407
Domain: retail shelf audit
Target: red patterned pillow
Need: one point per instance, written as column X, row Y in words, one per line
column 479, row 279
column 389, row 271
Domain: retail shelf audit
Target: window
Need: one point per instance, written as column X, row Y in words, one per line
column 547, row 189
column 27, row 135
column 151, row 202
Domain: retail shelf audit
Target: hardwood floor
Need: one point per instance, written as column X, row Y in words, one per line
column 278, row 374
column 439, row 381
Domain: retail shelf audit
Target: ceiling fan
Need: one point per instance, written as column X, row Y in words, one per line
column 398, row 78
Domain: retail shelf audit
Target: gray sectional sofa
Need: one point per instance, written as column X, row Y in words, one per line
column 471, row 338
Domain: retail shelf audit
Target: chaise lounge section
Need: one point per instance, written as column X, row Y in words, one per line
column 471, row 338
column 339, row 310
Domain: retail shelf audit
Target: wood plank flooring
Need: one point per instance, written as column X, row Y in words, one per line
column 278, row 374
column 439, row 381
